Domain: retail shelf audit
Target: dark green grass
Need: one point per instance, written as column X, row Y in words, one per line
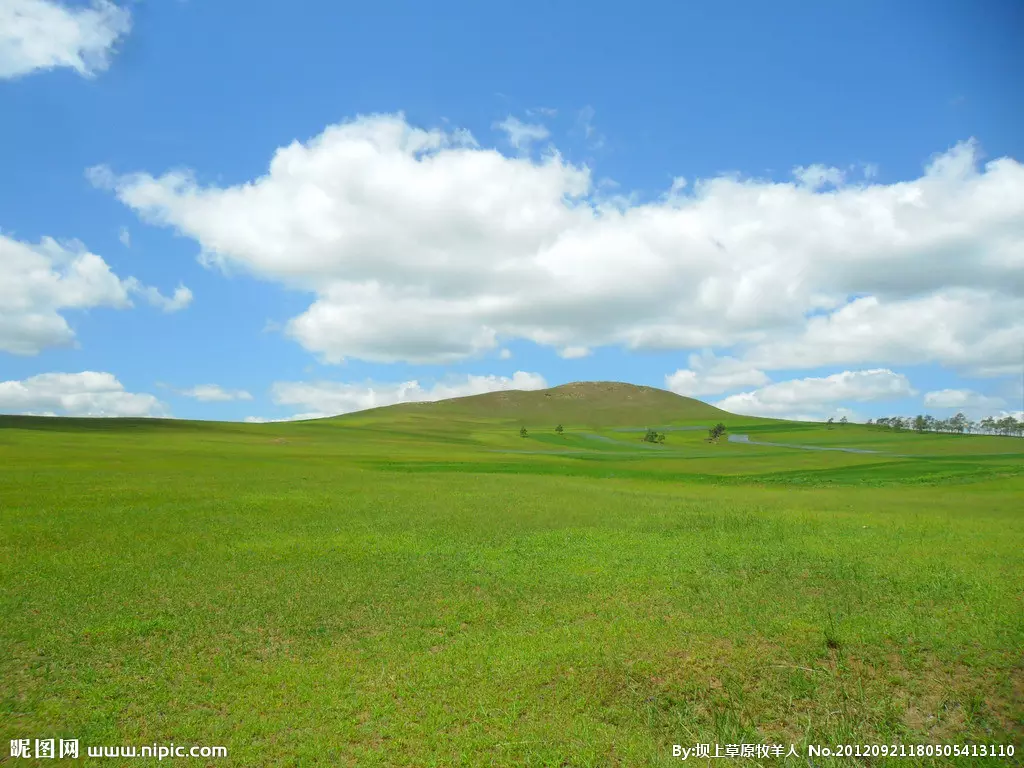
column 359, row 592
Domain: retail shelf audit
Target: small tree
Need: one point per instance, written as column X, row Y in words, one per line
column 653, row 436
column 716, row 431
column 559, row 429
column 523, row 432
column 920, row 423
column 844, row 421
column 829, row 422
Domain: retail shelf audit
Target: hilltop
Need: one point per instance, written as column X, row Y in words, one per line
column 592, row 403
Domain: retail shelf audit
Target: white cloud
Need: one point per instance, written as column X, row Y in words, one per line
column 505, row 354
column 808, row 398
column 711, row 375
column 125, row 237
column 961, row 398
column 332, row 398
column 182, row 296
column 847, row 413
column 40, row 34
column 296, row 417
column 817, row 176
column 978, row 330
column 75, row 394
column 422, row 247
column 39, row 282
column 521, row 135
column 573, row 353
column 212, row 393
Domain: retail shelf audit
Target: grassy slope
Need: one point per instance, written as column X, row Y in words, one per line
column 388, row 588
column 597, row 404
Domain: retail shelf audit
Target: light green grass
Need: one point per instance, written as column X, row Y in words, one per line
column 391, row 589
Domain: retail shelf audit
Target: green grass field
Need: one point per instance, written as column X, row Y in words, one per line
column 419, row 585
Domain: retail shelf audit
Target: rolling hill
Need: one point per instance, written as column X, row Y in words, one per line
column 591, row 403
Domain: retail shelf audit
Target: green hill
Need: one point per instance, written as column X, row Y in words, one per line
column 591, row 403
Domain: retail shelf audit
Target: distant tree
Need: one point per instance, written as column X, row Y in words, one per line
column 844, row 421
column 920, row 423
column 884, row 422
column 1008, row 425
column 716, row 431
column 898, row 423
column 988, row 424
column 829, row 422
column 929, row 423
column 523, row 432
column 958, row 423
column 870, row 422
column 559, row 429
column 661, row 437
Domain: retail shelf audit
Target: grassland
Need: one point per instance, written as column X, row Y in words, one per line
column 422, row 586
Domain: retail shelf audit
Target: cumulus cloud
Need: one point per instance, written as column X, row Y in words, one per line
column 979, row 331
column 711, row 375
column 212, row 393
column 40, row 35
column 961, row 398
column 807, row 398
column 521, row 135
column 75, row 394
column 421, row 246
column 39, row 282
column 333, row 398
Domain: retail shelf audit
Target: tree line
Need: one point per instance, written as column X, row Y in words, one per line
column 959, row 424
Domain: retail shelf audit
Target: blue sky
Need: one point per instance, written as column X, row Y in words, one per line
column 492, row 193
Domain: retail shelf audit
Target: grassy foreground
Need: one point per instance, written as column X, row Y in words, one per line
column 424, row 587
